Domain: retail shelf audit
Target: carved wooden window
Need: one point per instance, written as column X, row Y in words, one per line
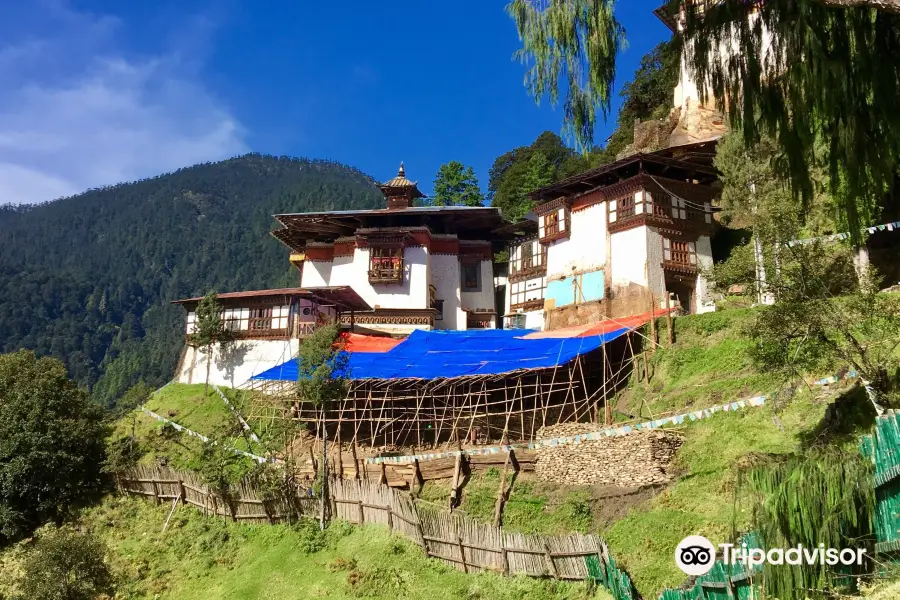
column 624, row 207
column 386, row 264
column 680, row 253
column 554, row 225
column 527, row 259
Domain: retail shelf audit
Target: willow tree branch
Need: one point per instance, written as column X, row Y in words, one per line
column 891, row 6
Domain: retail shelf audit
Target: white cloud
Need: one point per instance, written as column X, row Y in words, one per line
column 77, row 112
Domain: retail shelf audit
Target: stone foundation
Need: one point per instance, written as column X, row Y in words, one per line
column 633, row 460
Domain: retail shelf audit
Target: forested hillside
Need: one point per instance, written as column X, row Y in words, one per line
column 88, row 279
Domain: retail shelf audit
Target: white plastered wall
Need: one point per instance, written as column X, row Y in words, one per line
column 240, row 361
column 411, row 293
column 315, row 273
column 444, row 272
column 628, row 253
column 483, row 298
column 656, row 275
column 585, row 249
column 705, row 302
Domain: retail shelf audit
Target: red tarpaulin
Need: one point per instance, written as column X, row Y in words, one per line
column 355, row 342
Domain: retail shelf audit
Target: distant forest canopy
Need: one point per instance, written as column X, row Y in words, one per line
column 88, row 279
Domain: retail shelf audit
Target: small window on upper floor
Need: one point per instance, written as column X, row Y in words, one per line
column 554, row 225
column 386, row 264
column 471, row 276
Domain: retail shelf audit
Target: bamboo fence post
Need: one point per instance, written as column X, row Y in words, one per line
column 362, row 513
column 504, row 556
column 390, row 517
column 182, row 490
column 155, row 491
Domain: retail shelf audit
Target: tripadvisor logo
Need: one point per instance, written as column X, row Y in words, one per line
column 696, row 555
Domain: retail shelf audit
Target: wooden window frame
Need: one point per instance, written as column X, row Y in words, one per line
column 386, row 264
column 680, row 254
column 551, row 227
column 469, row 263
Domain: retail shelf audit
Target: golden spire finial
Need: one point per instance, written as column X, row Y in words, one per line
column 402, row 171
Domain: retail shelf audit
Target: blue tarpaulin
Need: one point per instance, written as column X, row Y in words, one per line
column 433, row 354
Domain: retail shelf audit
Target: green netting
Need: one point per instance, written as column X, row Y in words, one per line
column 616, row 581
column 884, row 449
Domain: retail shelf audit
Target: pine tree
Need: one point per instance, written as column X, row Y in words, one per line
column 209, row 330
column 456, row 185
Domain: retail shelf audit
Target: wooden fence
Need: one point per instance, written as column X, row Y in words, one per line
column 458, row 541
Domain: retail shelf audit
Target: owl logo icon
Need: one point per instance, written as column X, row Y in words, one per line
column 695, row 555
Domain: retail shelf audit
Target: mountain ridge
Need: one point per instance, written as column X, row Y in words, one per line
column 88, row 278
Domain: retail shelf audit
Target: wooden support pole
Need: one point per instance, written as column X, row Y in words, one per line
column 550, row 564
column 669, row 331
column 653, row 337
column 504, row 490
column 454, row 486
column 462, row 553
column 355, row 460
column 155, row 492
column 418, row 482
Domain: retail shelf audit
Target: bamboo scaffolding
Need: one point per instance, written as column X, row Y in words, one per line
column 388, row 414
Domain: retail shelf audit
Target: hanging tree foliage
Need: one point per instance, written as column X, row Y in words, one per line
column 824, row 496
column 573, row 45
column 807, row 73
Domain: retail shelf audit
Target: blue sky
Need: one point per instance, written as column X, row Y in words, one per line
column 95, row 92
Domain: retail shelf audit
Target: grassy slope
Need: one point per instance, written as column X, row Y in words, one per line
column 185, row 405
column 201, row 557
column 708, row 365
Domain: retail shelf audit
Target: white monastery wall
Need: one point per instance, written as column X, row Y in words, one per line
column 704, row 300
column 484, row 297
column 628, row 250
column 585, row 250
column 315, row 273
column 445, row 277
column 241, row 360
column 412, row 293
column 655, row 273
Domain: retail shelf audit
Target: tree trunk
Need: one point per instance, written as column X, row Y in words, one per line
column 861, row 266
column 208, row 366
column 324, row 472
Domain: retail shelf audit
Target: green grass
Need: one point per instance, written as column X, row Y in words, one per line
column 188, row 406
column 703, row 500
column 707, row 365
column 203, row 557
column 533, row 507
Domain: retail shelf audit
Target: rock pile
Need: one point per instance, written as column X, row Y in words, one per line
column 633, row 460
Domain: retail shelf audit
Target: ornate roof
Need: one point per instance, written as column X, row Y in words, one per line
column 401, row 182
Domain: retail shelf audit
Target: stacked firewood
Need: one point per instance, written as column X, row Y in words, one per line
column 633, row 460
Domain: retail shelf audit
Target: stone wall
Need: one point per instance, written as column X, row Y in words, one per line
column 633, row 460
